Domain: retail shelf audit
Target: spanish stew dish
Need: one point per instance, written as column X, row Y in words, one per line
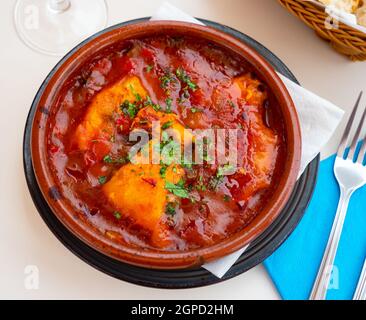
column 183, row 83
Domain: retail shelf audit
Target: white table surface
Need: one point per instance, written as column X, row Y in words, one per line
column 24, row 237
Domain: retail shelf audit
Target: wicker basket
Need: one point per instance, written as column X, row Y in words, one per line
column 345, row 39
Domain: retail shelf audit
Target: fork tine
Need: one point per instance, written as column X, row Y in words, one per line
column 362, row 152
column 357, row 136
column 346, row 134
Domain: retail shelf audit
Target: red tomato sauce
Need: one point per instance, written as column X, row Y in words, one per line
column 197, row 81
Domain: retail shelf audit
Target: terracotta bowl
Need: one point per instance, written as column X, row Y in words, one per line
column 149, row 258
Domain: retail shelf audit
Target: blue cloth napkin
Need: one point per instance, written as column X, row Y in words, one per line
column 293, row 267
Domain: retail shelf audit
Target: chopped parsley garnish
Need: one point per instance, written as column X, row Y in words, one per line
column 227, row 198
column 183, row 77
column 232, row 104
column 166, row 79
column 137, row 95
column 200, row 186
column 168, row 102
column 186, row 163
column 163, row 170
column 156, row 107
column 108, row 159
column 167, row 125
column 170, row 209
column 177, row 189
column 225, row 170
column 121, row 160
column 194, row 110
column 215, row 181
column 204, row 148
column 129, row 108
column 102, row 179
column 148, row 102
column 169, row 149
column 117, row 215
column 165, row 138
column 219, row 177
column 149, row 67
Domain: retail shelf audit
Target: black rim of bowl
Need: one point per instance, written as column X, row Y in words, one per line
column 259, row 249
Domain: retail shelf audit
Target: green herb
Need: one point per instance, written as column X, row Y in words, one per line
column 167, row 125
column 187, row 165
column 149, row 67
column 215, row 181
column 180, row 73
column 163, row 170
column 107, row 159
column 148, row 102
column 117, row 215
column 169, row 150
column 102, row 179
column 221, row 172
column 182, row 76
column 177, row 189
column 205, row 154
column 232, row 104
column 170, row 209
column 137, row 95
column 165, row 137
column 192, row 86
column 200, row 185
column 156, row 107
column 227, row 198
column 173, row 148
column 129, row 108
column 168, row 102
column 203, row 147
column 121, row 160
column 194, row 110
column 225, row 170
column 166, row 79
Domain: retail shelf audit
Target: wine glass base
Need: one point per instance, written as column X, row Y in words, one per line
column 55, row 33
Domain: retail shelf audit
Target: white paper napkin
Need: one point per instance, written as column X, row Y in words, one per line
column 318, row 120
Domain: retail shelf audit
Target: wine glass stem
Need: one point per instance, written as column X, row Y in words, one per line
column 59, row 5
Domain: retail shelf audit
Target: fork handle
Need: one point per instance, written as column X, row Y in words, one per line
column 320, row 287
column 360, row 293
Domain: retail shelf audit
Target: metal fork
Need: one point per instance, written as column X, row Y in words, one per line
column 351, row 175
column 360, row 293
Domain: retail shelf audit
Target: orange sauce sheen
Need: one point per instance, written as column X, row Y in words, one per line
column 200, row 86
